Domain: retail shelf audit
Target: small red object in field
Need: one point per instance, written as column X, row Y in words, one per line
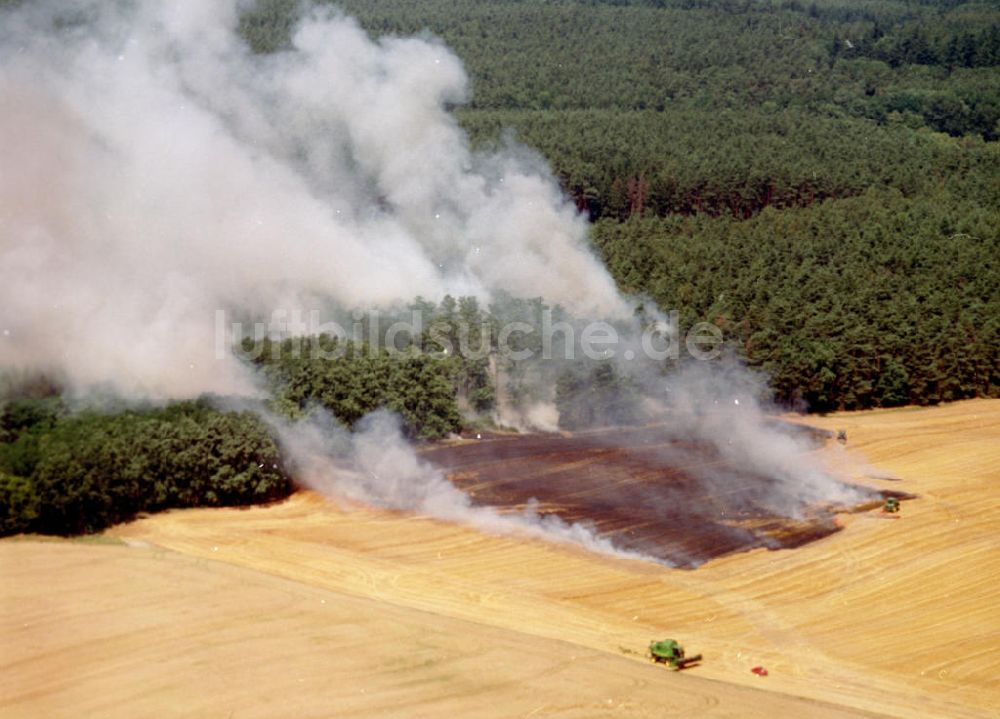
column 759, row 671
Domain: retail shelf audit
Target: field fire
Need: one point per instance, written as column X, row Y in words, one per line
column 678, row 501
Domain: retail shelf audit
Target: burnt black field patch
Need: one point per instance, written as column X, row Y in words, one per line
column 675, row 500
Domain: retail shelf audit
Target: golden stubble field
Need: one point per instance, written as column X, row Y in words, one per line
column 311, row 609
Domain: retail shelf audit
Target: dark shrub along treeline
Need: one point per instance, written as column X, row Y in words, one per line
column 63, row 474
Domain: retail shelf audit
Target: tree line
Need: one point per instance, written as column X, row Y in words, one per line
column 73, row 473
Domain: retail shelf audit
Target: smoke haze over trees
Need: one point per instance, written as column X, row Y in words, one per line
column 868, row 130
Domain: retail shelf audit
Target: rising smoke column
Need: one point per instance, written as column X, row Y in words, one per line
column 153, row 170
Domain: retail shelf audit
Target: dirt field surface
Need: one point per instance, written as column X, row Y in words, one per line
column 309, row 609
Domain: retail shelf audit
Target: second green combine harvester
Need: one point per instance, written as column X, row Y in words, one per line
column 670, row 652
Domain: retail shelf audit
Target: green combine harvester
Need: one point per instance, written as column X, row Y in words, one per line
column 891, row 505
column 670, row 652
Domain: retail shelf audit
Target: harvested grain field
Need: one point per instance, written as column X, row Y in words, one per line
column 310, row 609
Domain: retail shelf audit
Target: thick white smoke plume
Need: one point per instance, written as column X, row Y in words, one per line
column 375, row 464
column 720, row 406
column 153, row 170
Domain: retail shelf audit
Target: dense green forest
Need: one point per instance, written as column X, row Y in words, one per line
column 876, row 300
column 821, row 179
column 63, row 473
column 358, row 379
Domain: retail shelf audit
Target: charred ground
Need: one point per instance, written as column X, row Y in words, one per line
column 648, row 491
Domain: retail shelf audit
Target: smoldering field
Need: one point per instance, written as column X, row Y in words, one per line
column 154, row 171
